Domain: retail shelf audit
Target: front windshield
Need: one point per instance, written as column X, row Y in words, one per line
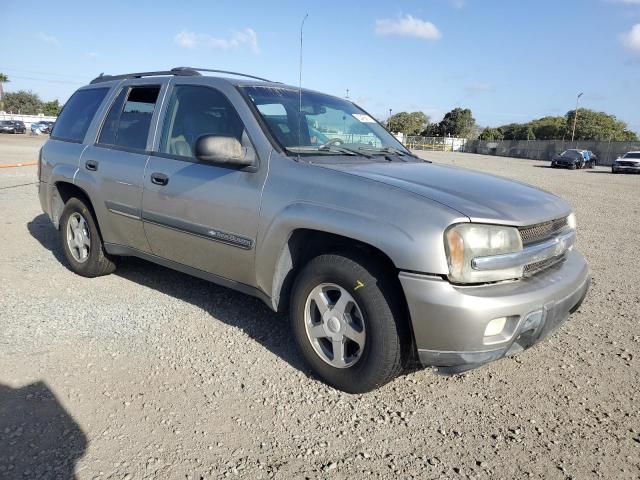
column 326, row 123
column 632, row 155
column 571, row 154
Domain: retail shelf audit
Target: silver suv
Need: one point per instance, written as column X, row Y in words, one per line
column 305, row 201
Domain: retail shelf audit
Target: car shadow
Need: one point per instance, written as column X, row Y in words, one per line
column 242, row 311
column 38, row 437
column 602, row 172
column 543, row 166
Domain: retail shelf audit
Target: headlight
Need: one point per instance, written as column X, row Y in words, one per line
column 571, row 221
column 466, row 241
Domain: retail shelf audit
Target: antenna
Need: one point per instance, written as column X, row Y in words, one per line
column 300, row 79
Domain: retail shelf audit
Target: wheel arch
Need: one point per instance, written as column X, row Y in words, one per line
column 304, row 244
column 61, row 193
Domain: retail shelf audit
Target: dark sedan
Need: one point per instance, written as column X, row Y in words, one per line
column 8, row 126
column 574, row 159
column 20, row 126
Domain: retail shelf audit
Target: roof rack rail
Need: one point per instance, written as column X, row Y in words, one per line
column 180, row 71
column 226, row 72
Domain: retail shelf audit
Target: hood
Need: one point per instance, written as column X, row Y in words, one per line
column 479, row 196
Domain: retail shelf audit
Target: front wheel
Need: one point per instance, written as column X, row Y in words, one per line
column 348, row 322
column 81, row 241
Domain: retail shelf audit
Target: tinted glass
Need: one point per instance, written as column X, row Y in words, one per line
column 632, row 155
column 110, row 125
column 127, row 123
column 76, row 116
column 194, row 111
column 304, row 122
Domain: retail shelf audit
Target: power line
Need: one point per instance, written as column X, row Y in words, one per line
column 48, row 80
column 48, row 74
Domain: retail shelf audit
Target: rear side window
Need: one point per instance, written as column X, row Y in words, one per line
column 128, row 121
column 77, row 114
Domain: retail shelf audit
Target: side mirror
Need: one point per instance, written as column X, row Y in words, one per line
column 221, row 150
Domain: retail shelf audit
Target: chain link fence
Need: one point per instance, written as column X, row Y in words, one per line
column 607, row 152
column 441, row 144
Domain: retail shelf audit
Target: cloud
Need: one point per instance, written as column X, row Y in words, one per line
column 186, row 39
column 631, row 39
column 626, row 2
column 236, row 40
column 480, row 87
column 92, row 55
column 408, row 26
column 49, row 38
column 457, row 3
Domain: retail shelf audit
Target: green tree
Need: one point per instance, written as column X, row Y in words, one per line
column 491, row 135
column 27, row 103
column 408, row 123
column 431, row 130
column 518, row 131
column 3, row 79
column 549, row 128
column 52, row 108
column 459, row 122
column 592, row 125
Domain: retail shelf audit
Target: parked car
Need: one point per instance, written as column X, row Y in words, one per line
column 381, row 259
column 46, row 126
column 7, row 126
column 628, row 163
column 574, row 159
column 20, row 126
column 36, row 128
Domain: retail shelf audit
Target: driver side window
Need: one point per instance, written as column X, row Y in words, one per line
column 194, row 111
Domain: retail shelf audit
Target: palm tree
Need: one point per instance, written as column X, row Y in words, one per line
column 3, row 79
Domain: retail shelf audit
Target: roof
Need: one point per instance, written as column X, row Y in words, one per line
column 180, row 72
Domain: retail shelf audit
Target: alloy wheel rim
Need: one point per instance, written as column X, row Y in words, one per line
column 78, row 237
column 334, row 325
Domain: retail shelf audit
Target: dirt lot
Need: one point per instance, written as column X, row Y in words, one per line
column 149, row 373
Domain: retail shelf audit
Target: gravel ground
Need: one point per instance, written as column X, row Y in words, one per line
column 149, row 373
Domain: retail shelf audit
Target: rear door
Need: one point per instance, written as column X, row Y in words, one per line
column 116, row 162
column 198, row 214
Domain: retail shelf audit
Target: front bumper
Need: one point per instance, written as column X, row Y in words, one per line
column 625, row 169
column 557, row 164
column 449, row 321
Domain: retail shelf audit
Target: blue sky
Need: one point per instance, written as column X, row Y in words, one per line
column 507, row 60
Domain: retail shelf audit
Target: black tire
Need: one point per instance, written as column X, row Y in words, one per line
column 387, row 343
column 97, row 263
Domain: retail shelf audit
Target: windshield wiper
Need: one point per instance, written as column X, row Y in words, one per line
column 391, row 150
column 327, row 149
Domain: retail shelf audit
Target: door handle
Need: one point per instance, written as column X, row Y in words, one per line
column 159, row 179
column 91, row 165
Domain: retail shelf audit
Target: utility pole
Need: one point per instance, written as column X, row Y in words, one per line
column 389, row 119
column 575, row 117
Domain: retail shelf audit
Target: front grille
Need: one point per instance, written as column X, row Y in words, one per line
column 536, row 267
column 627, row 164
column 542, row 231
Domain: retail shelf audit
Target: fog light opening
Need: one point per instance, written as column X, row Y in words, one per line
column 495, row 326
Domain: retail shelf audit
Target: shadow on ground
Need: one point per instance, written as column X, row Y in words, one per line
column 38, row 438
column 231, row 307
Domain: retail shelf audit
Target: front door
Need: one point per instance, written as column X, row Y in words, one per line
column 201, row 214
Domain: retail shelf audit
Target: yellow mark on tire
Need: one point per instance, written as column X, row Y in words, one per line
column 359, row 284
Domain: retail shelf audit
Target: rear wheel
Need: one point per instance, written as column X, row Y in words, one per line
column 348, row 322
column 81, row 241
